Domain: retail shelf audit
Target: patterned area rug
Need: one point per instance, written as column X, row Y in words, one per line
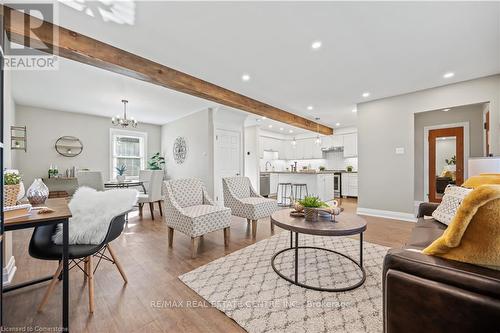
column 244, row 286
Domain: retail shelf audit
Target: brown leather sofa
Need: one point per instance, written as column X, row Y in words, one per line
column 429, row 294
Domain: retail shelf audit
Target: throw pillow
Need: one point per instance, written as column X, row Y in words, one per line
column 453, row 196
column 92, row 213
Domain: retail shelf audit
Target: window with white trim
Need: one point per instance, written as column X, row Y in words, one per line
column 128, row 148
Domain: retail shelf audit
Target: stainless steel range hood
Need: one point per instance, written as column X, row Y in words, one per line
column 333, row 149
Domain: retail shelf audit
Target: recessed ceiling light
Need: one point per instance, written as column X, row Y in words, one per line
column 270, row 126
column 446, row 110
column 264, row 118
column 448, row 75
column 337, row 124
column 310, row 107
column 245, row 77
column 354, row 110
column 366, row 94
column 316, row 45
column 281, row 128
column 290, row 131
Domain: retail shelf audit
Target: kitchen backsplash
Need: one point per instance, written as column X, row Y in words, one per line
column 332, row 161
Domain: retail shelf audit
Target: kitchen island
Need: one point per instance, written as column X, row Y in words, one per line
column 319, row 183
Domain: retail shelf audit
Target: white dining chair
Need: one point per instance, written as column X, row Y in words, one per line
column 92, row 179
column 145, row 177
column 153, row 193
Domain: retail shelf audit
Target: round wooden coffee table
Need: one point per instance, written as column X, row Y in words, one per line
column 345, row 224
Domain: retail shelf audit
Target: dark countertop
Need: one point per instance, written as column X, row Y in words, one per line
column 310, row 173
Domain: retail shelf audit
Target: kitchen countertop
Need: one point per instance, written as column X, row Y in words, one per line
column 309, row 173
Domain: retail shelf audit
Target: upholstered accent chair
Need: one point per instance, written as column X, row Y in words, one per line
column 241, row 197
column 190, row 210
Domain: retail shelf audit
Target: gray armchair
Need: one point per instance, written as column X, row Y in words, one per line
column 190, row 210
column 241, row 197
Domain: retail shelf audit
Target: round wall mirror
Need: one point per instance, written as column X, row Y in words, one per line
column 69, row 146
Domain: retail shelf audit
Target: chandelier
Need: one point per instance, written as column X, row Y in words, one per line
column 123, row 121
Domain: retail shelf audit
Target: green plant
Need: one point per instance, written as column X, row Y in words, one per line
column 349, row 168
column 452, row 160
column 322, row 168
column 312, row 202
column 11, row 178
column 121, row 169
column 156, row 162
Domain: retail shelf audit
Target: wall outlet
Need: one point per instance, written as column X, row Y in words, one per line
column 400, row 150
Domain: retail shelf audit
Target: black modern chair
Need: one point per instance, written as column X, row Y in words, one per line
column 42, row 247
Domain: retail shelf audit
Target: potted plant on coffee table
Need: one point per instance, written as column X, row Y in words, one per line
column 311, row 206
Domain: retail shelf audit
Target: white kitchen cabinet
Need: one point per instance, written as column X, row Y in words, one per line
column 337, row 141
column 273, row 183
column 326, row 141
column 304, row 149
column 350, row 184
column 350, row 145
column 307, row 151
column 325, row 187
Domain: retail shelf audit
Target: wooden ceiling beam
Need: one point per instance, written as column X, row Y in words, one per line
column 81, row 48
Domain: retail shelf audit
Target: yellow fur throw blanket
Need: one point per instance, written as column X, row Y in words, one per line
column 473, row 235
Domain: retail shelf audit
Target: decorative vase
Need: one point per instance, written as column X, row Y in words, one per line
column 10, row 193
column 38, row 192
column 22, row 191
column 311, row 214
column 120, row 178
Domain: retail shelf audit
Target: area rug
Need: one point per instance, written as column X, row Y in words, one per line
column 244, row 286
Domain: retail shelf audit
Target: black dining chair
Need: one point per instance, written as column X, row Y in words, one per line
column 42, row 247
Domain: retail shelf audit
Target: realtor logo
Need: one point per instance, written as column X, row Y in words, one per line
column 30, row 36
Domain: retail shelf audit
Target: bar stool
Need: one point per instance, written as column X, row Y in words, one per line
column 297, row 190
column 283, row 197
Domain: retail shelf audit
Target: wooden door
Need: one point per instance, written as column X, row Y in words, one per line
column 446, row 160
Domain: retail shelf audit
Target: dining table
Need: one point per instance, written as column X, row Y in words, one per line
column 60, row 214
column 125, row 184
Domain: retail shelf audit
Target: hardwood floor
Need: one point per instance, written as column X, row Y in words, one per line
column 154, row 300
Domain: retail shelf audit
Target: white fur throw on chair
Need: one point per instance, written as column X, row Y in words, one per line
column 92, row 213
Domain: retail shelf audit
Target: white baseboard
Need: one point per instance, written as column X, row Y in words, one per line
column 387, row 214
column 8, row 271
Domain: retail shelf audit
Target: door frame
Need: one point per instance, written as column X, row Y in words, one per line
column 465, row 125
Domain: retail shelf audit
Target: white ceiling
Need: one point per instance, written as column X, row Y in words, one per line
column 77, row 87
column 384, row 48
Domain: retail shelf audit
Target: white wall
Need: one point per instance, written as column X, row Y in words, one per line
column 45, row 126
column 197, row 130
column 251, row 152
column 9, row 119
column 386, row 179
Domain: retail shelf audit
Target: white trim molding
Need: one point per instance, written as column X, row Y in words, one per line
column 8, row 271
column 386, row 214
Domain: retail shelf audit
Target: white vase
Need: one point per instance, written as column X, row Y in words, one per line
column 38, row 192
column 120, row 178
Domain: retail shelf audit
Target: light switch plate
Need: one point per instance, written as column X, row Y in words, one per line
column 400, row 150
